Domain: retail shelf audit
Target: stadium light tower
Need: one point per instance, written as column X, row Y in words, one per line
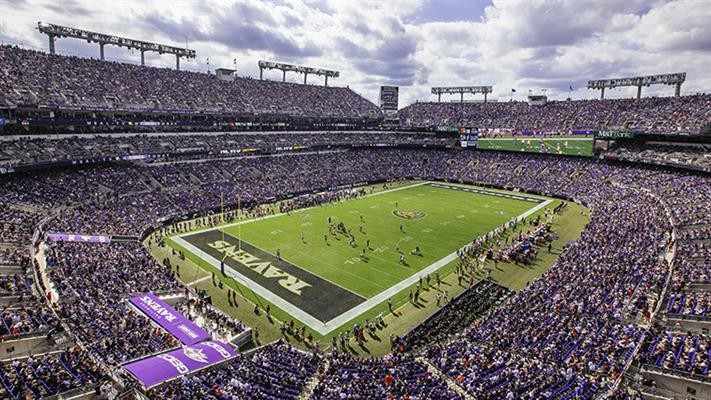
column 284, row 68
column 663, row 79
column 461, row 90
column 57, row 31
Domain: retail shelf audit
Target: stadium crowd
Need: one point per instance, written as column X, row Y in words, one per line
column 391, row 377
column 93, row 281
column 276, row 371
column 17, row 321
column 651, row 114
column 697, row 156
column 568, row 334
column 47, row 375
column 36, row 78
column 50, row 148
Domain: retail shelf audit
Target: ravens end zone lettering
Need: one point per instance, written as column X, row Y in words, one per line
column 275, row 276
column 262, row 267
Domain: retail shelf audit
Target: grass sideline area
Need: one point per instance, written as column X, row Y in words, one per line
column 483, row 208
column 576, row 145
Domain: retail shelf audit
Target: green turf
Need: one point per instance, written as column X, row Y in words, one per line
column 452, row 219
column 568, row 226
column 576, row 145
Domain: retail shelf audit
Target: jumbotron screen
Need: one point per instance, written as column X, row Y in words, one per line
column 468, row 137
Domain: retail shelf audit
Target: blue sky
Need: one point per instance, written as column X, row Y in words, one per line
column 415, row 44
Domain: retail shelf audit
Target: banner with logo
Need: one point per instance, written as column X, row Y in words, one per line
column 169, row 319
column 615, row 134
column 153, row 371
column 70, row 237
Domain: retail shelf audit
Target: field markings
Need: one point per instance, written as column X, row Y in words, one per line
column 391, row 291
column 198, row 280
column 293, row 212
column 307, row 254
column 309, row 271
column 490, row 192
column 321, row 327
column 317, row 260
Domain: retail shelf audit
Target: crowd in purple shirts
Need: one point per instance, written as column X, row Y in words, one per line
column 36, row 149
column 94, row 282
column 650, row 114
column 42, row 376
column 565, row 335
column 679, row 351
column 391, row 377
column 493, row 373
column 23, row 319
column 15, row 284
column 17, row 224
column 36, row 78
column 697, row 304
column 14, row 256
column 675, row 154
column 276, row 371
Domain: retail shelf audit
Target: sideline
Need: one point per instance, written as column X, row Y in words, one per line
column 313, row 323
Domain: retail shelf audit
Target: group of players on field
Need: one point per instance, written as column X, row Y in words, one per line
column 340, row 228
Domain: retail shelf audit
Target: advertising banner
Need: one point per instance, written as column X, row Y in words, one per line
column 615, row 134
column 70, row 237
column 153, row 371
column 169, row 319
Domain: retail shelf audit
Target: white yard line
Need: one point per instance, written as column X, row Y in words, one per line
column 198, row 280
column 321, row 327
column 263, row 292
column 384, row 295
column 304, row 269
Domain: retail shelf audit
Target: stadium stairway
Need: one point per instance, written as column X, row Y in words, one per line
column 194, row 180
column 151, row 182
column 450, row 384
column 311, row 384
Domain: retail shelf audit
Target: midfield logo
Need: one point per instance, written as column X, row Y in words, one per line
column 409, row 215
column 262, row 267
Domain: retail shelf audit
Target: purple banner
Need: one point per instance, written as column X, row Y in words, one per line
column 70, row 237
column 172, row 321
column 155, row 370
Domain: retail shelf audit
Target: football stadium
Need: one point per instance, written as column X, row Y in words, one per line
column 339, row 200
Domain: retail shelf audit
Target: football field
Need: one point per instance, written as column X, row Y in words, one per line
column 327, row 274
column 582, row 146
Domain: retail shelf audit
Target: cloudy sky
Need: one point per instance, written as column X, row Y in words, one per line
column 526, row 45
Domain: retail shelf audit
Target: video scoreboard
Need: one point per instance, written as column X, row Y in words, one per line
column 389, row 96
column 468, row 137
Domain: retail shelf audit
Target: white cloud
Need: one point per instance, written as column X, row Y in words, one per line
column 515, row 44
